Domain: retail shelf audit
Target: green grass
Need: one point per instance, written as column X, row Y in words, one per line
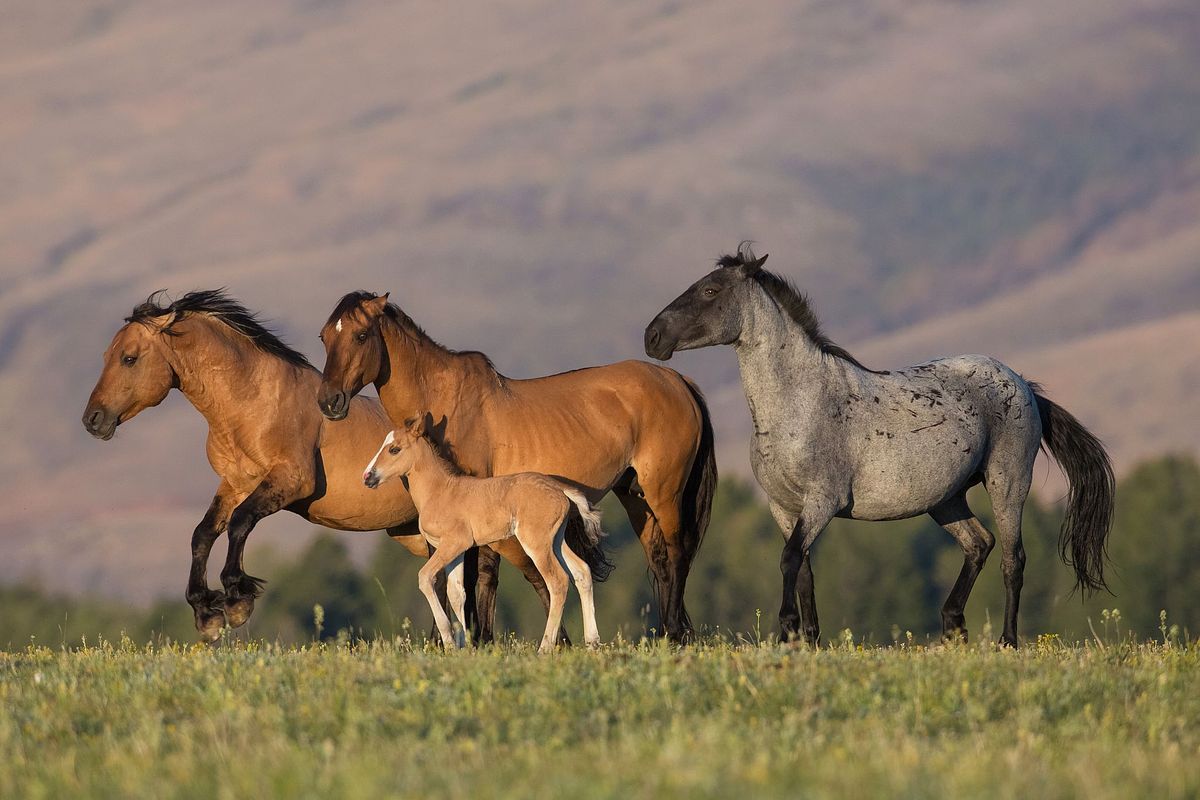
column 709, row 720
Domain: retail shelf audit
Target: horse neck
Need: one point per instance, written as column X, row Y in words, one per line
column 781, row 367
column 424, row 376
column 221, row 373
column 428, row 475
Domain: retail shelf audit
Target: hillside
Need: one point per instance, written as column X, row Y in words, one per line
column 1021, row 179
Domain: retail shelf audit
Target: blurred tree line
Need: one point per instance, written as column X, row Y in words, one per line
column 881, row 580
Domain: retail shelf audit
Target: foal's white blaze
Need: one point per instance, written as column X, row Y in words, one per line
column 391, row 437
column 338, row 327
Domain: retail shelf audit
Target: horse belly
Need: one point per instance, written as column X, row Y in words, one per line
column 895, row 480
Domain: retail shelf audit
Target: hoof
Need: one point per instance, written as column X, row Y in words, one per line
column 210, row 626
column 238, row 611
column 1006, row 641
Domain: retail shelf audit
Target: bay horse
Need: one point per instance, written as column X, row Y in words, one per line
column 633, row 428
column 835, row 439
column 458, row 512
column 270, row 447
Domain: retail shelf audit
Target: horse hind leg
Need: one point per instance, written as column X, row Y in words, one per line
column 516, row 555
column 976, row 542
column 538, row 542
column 1008, row 501
column 655, row 519
column 582, row 575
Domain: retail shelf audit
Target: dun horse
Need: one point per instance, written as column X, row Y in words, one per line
column 833, row 438
column 458, row 512
column 636, row 429
column 266, row 441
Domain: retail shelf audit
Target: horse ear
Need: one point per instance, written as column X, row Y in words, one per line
column 376, row 305
column 163, row 322
column 750, row 262
column 416, row 425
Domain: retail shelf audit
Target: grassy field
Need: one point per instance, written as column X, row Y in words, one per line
column 245, row 720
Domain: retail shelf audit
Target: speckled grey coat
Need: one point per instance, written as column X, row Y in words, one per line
column 833, row 438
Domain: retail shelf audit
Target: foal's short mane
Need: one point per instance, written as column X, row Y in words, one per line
column 795, row 304
column 220, row 306
column 352, row 300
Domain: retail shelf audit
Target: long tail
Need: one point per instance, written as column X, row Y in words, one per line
column 586, row 540
column 1082, row 543
column 702, row 482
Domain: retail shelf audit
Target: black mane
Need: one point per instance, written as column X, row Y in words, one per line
column 794, row 303
column 352, row 300
column 220, row 306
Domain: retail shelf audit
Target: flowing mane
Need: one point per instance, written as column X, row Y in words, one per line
column 795, row 304
column 220, row 306
column 353, row 300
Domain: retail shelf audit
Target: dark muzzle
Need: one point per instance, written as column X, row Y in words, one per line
column 334, row 403
column 99, row 422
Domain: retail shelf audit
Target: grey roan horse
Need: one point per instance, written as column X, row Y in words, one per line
column 835, row 439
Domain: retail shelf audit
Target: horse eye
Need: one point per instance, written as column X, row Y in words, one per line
column 394, row 450
column 129, row 361
column 711, row 291
column 362, row 336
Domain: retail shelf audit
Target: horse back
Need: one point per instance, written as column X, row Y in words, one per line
column 589, row 425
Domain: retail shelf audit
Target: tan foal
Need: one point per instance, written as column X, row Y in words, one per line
column 458, row 512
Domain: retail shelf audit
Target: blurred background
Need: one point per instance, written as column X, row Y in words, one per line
column 537, row 179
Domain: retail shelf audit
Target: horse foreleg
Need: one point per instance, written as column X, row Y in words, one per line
column 208, row 606
column 241, row 589
column 435, row 566
column 457, row 595
column 800, row 532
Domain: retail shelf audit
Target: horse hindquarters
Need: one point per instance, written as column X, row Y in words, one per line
column 671, row 515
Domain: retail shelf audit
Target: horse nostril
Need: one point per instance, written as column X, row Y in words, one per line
column 92, row 420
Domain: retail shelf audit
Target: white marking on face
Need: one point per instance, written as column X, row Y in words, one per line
column 391, row 437
column 338, row 327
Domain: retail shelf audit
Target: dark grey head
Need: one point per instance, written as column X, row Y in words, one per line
column 711, row 311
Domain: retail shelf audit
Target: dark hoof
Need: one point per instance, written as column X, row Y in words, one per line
column 210, row 626
column 1008, row 641
column 237, row 611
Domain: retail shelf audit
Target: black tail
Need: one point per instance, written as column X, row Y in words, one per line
column 585, row 538
column 1083, row 539
column 701, row 483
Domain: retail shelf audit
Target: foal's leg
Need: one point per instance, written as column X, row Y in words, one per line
column 539, row 544
column 457, row 593
column 208, row 605
column 976, row 542
column 409, row 536
column 516, row 555
column 442, row 556
column 582, row 575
